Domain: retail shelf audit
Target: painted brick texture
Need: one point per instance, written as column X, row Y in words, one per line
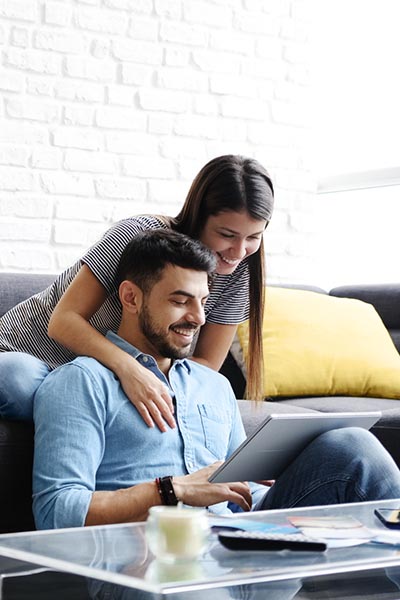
column 109, row 108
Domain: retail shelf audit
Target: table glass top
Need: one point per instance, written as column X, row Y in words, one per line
column 119, row 554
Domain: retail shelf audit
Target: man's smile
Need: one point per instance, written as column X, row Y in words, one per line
column 186, row 331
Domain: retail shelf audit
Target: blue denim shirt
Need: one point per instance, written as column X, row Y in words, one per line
column 89, row 436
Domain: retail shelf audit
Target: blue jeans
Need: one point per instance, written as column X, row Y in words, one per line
column 20, row 376
column 339, row 466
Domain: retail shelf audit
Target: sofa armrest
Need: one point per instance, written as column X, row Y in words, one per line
column 16, row 458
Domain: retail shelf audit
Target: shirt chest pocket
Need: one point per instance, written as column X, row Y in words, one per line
column 216, row 428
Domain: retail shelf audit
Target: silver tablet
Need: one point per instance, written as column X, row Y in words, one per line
column 279, row 440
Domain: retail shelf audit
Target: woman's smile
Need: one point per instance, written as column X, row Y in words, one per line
column 232, row 236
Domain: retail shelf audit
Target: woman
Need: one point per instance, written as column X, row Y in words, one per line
column 228, row 207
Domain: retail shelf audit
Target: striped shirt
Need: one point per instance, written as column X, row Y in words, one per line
column 24, row 327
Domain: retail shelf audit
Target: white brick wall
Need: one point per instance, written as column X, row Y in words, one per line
column 109, row 108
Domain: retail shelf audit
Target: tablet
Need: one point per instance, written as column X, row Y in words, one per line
column 279, row 440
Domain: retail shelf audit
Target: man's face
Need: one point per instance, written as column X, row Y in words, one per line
column 173, row 311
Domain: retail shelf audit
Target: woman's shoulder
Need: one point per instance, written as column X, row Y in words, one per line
column 141, row 223
column 119, row 234
column 239, row 276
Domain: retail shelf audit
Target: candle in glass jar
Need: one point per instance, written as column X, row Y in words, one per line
column 176, row 533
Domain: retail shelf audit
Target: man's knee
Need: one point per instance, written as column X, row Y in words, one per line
column 348, row 443
column 348, row 435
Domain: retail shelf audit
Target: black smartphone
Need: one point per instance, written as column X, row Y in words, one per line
column 389, row 517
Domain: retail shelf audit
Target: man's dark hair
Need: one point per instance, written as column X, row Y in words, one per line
column 147, row 254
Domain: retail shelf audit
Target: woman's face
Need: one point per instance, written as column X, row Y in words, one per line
column 232, row 236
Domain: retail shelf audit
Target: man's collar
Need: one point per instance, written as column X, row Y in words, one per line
column 133, row 351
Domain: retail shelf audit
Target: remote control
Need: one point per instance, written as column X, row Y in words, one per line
column 258, row 540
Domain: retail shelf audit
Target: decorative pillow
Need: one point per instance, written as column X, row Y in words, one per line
column 320, row 345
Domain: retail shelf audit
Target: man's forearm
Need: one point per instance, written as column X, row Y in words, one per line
column 123, row 506
column 133, row 503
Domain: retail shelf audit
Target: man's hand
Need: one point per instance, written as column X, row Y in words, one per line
column 267, row 482
column 133, row 503
column 196, row 490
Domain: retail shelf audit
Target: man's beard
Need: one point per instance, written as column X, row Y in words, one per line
column 159, row 339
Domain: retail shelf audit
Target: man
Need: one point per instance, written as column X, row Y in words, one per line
column 96, row 461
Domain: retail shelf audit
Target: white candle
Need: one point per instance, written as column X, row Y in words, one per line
column 176, row 533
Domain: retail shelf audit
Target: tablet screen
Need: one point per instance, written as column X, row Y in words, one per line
column 279, row 440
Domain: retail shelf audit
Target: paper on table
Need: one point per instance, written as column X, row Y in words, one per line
column 384, row 536
column 338, row 532
column 327, row 522
column 345, row 543
column 361, row 533
column 332, row 527
column 251, row 525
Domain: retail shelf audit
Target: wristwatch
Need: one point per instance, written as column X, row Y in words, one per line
column 166, row 490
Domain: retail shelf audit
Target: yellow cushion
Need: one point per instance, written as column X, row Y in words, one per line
column 319, row 345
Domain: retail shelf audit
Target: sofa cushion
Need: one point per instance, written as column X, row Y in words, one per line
column 343, row 404
column 384, row 296
column 315, row 344
column 16, row 287
column 254, row 413
column 387, row 429
column 386, row 299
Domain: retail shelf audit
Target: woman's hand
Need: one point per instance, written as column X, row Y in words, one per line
column 69, row 325
column 148, row 394
column 195, row 489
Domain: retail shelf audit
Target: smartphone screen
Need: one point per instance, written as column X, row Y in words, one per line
column 389, row 516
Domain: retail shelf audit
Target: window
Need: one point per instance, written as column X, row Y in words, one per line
column 357, row 87
column 357, row 138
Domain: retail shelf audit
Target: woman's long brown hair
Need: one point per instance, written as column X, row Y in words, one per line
column 235, row 183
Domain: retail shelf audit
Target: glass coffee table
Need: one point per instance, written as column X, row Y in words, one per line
column 114, row 561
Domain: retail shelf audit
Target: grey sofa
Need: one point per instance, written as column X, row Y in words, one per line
column 386, row 300
column 16, row 437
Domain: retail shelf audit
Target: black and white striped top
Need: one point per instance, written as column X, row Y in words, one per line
column 24, row 327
